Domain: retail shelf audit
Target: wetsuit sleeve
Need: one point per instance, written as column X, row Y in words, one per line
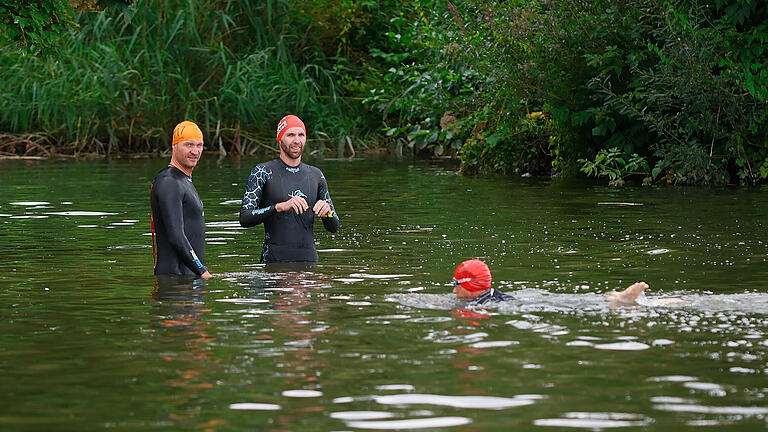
column 331, row 224
column 170, row 197
column 251, row 213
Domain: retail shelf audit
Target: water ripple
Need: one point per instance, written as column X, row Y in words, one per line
column 254, row 406
column 477, row 402
column 586, row 420
column 423, row 423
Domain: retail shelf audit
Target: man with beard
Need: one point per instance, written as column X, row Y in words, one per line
column 280, row 193
column 178, row 219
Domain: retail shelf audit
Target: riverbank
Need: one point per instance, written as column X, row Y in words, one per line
column 510, row 87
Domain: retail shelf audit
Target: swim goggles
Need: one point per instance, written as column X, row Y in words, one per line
column 460, row 281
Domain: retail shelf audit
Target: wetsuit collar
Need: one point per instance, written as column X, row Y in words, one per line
column 181, row 171
column 290, row 168
column 284, row 163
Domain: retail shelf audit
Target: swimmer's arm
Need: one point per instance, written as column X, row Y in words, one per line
column 170, row 203
column 671, row 300
column 330, row 219
column 250, row 212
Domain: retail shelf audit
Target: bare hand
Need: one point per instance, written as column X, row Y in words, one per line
column 297, row 204
column 322, row 208
column 206, row 275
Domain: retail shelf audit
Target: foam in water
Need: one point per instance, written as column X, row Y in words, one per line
column 302, row 393
column 475, row 402
column 254, row 406
column 422, row 423
column 582, row 420
column 361, row 415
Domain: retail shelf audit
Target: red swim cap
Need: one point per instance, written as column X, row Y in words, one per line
column 473, row 275
column 288, row 122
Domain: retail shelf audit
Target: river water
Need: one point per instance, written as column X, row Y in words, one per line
column 370, row 338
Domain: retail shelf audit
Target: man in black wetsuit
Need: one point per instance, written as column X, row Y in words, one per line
column 279, row 194
column 178, row 220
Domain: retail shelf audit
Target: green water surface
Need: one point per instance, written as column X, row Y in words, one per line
column 370, row 338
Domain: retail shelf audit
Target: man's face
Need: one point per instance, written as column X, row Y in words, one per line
column 292, row 144
column 465, row 294
column 187, row 153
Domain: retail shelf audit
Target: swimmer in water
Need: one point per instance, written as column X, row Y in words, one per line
column 472, row 281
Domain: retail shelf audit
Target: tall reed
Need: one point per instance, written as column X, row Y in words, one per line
column 124, row 78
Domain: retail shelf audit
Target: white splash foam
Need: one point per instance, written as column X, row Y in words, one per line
column 254, row 406
column 302, row 393
column 423, row 423
column 361, row 415
column 623, row 346
column 478, row 402
column 29, row 203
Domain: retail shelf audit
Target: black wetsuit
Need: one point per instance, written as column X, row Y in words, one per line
column 288, row 237
column 490, row 296
column 179, row 224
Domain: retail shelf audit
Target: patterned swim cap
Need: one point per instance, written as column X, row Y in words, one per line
column 288, row 122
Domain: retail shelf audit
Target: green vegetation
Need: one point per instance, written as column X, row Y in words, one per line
column 664, row 91
column 124, row 77
column 534, row 86
column 33, row 26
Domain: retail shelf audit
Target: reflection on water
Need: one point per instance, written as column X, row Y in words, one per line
column 370, row 338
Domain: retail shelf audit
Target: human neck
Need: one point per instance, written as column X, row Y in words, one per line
column 178, row 166
column 293, row 163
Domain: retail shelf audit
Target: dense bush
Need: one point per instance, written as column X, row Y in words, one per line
column 679, row 85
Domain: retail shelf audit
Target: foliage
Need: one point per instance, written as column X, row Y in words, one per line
column 615, row 165
column 600, row 87
column 127, row 75
column 681, row 84
column 34, row 26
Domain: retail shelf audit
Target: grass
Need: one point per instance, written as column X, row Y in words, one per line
column 124, row 78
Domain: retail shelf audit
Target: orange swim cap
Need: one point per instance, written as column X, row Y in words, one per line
column 473, row 275
column 288, row 122
column 186, row 130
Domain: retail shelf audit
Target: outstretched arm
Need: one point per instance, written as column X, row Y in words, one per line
column 251, row 212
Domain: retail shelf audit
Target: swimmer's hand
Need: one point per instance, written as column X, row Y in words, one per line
column 322, row 209
column 206, row 275
column 297, row 204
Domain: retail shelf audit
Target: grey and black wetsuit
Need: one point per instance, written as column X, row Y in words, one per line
column 490, row 296
column 178, row 221
column 288, row 237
